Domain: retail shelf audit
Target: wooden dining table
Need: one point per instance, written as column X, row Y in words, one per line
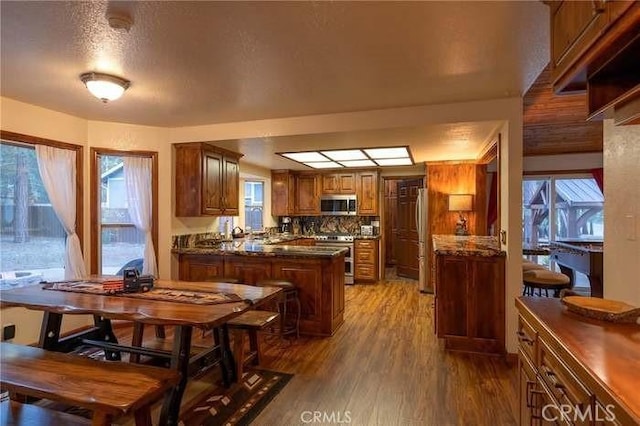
column 180, row 312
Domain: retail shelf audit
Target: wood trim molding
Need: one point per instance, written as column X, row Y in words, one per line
column 556, row 172
column 95, row 201
column 490, row 151
column 22, row 139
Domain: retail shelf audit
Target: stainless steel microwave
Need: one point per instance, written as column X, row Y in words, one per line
column 338, row 205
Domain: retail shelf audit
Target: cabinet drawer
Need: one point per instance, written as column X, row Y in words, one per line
column 366, row 244
column 528, row 339
column 564, row 386
column 365, row 272
column 365, row 256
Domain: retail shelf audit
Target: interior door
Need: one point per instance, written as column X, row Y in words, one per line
column 407, row 246
column 390, row 220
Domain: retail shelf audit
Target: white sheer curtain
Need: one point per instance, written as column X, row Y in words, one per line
column 58, row 172
column 137, row 178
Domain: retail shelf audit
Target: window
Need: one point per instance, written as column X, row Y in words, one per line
column 116, row 242
column 576, row 213
column 32, row 239
column 254, row 205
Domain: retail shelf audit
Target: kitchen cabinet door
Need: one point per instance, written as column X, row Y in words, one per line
column 367, row 193
column 307, row 197
column 212, row 183
column 230, row 197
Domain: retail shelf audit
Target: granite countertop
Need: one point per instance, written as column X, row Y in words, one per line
column 281, row 238
column 258, row 248
column 467, row 245
column 366, row 237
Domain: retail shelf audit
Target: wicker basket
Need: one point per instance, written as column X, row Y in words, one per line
column 602, row 309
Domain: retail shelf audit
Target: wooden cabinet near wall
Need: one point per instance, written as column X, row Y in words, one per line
column 339, row 183
column 307, row 194
column 365, row 260
column 282, row 193
column 561, row 357
column 207, row 180
column 594, row 47
column 470, row 297
column 367, row 193
column 200, row 268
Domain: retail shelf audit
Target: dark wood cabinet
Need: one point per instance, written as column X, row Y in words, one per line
column 200, row 268
column 339, row 183
column 307, row 195
column 470, row 302
column 367, row 193
column 365, row 260
column 560, row 359
column 282, row 193
column 320, row 282
column 207, row 180
column 594, row 47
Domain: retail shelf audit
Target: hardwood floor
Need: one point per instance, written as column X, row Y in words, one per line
column 385, row 366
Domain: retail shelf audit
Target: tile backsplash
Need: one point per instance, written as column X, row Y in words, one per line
column 309, row 225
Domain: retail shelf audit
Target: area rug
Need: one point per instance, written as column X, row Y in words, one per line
column 238, row 405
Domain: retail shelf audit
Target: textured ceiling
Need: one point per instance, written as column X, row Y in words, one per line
column 193, row 63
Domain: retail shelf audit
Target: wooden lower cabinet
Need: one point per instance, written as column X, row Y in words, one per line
column 570, row 367
column 470, row 302
column 365, row 260
column 320, row 282
column 200, row 268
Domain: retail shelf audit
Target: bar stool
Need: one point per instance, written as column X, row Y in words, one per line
column 288, row 325
column 546, row 280
column 527, row 265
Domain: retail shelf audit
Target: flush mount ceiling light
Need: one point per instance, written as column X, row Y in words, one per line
column 353, row 157
column 104, row 86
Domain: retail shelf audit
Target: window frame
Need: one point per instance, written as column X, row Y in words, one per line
column 551, row 177
column 20, row 139
column 244, row 198
column 96, row 202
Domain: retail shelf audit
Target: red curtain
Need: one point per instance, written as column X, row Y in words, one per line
column 492, row 209
column 598, row 175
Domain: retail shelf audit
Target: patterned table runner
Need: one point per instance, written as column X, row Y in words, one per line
column 164, row 294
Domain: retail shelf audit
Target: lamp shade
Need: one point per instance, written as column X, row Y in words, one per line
column 460, row 202
column 104, row 86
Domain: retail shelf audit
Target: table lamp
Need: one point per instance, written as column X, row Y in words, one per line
column 461, row 203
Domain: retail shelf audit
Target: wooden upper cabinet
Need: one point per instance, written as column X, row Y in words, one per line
column 307, row 194
column 207, row 180
column 282, row 193
column 339, row 183
column 594, row 48
column 367, row 193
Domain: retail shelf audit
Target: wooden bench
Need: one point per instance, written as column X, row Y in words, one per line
column 108, row 389
column 13, row 413
column 252, row 322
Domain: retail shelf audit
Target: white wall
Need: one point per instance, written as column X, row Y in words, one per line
column 622, row 213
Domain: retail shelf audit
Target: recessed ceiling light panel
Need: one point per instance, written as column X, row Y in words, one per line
column 324, row 165
column 358, row 163
column 345, row 155
column 394, row 162
column 303, row 157
column 398, row 152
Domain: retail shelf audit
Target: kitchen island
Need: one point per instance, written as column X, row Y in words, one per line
column 317, row 272
column 470, row 293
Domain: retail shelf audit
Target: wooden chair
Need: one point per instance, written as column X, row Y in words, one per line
column 251, row 322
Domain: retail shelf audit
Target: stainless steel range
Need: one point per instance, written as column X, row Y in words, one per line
column 341, row 241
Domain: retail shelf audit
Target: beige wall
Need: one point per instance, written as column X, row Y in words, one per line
column 622, row 212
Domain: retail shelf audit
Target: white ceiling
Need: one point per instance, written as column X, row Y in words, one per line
column 194, row 63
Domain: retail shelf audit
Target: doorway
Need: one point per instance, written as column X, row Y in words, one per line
column 401, row 238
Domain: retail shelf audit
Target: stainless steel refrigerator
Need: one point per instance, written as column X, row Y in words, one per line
column 423, row 241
